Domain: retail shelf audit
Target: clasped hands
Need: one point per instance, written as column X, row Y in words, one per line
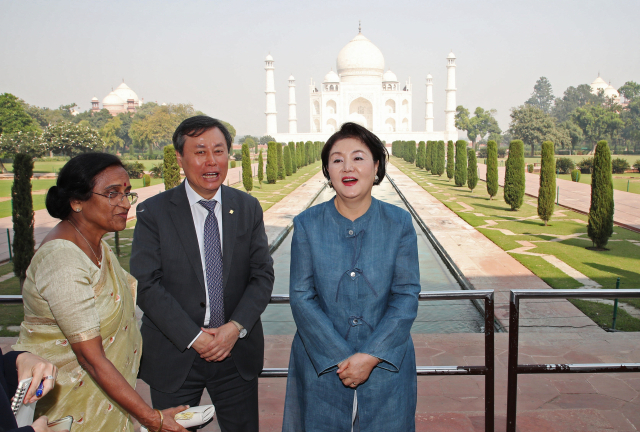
column 215, row 344
column 356, row 369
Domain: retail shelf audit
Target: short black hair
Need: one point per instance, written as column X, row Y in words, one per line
column 76, row 181
column 368, row 138
column 196, row 126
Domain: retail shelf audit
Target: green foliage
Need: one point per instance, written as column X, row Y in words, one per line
column 22, row 215
column 451, row 166
column 308, row 154
column 293, row 156
column 272, row 162
column 232, row 163
column 266, row 139
column 479, row 125
column 300, row 162
column 619, row 166
column 109, row 134
column 134, row 169
column 514, row 180
column 260, row 168
column 565, row 165
column 29, row 142
column 287, row 161
column 600, row 225
column 428, row 159
column 71, row 139
column 472, row 169
column 547, row 190
column 492, row 169
column 247, row 175
column 171, row 169
column 573, row 98
column 13, row 117
column 530, row 168
column 597, row 122
column 438, row 162
column 231, row 129
column 575, row 175
column 461, row 163
column 281, row 171
column 146, row 180
column 542, row 96
column 585, row 165
column 630, row 90
column 532, row 125
column 411, row 151
column 421, row 155
column 156, row 170
column 636, row 164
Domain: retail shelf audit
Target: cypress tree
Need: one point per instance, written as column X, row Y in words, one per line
column 22, row 215
column 287, row 161
column 472, row 169
column 281, row 172
column 439, row 166
column 411, row 152
column 307, row 152
column 247, row 175
column 299, row 161
column 272, row 162
column 428, row 162
column 421, row 155
column 451, row 166
column 547, row 190
column 434, row 155
column 293, row 157
column 461, row 163
column 492, row 169
column 260, row 168
column 514, row 176
column 170, row 169
column 600, row 225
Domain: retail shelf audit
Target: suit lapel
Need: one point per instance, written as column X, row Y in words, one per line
column 229, row 227
column 183, row 221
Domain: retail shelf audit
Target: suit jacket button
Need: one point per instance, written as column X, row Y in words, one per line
column 202, row 304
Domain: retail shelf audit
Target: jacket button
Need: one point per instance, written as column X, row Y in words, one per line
column 202, row 304
column 350, row 232
column 353, row 274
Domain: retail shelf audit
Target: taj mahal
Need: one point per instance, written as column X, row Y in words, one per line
column 361, row 91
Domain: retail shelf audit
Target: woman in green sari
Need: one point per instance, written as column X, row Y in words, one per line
column 79, row 304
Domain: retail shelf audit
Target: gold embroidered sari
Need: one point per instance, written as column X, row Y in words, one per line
column 67, row 299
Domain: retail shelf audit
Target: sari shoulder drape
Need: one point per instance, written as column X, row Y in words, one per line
column 68, row 299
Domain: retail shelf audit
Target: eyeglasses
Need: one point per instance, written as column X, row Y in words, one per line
column 116, row 198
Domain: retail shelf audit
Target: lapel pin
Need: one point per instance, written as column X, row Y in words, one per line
column 231, row 211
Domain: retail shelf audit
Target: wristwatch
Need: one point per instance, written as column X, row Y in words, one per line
column 242, row 330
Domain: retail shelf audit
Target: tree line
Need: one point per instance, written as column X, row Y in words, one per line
column 574, row 122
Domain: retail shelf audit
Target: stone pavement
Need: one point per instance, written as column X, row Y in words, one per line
column 577, row 196
column 44, row 222
column 487, row 266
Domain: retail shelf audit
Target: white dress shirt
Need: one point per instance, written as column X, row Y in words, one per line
column 199, row 214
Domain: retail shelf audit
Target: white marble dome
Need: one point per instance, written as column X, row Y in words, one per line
column 611, row 92
column 331, row 77
column 451, row 55
column 112, row 99
column 125, row 93
column 598, row 84
column 389, row 77
column 268, row 58
column 360, row 57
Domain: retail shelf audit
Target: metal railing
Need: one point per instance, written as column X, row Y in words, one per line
column 488, row 369
column 515, row 369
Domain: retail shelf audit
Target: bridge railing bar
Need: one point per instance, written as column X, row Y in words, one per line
column 515, row 369
column 488, row 369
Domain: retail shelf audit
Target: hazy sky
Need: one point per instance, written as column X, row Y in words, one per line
column 211, row 53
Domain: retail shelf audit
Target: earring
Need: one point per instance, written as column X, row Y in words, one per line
column 78, row 210
column 330, row 184
column 376, row 178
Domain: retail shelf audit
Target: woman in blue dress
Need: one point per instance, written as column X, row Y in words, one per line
column 354, row 286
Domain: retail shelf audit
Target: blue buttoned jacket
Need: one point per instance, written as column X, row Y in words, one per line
column 354, row 287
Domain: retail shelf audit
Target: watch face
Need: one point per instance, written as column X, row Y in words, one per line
column 243, row 333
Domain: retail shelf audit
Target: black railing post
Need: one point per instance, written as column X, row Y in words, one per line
column 489, row 362
column 512, row 383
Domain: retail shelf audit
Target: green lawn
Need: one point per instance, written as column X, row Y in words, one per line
column 55, row 166
column 269, row 194
column 620, row 181
column 621, row 260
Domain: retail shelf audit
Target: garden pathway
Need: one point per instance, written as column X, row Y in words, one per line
column 577, row 196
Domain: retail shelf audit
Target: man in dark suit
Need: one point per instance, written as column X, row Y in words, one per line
column 205, row 275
